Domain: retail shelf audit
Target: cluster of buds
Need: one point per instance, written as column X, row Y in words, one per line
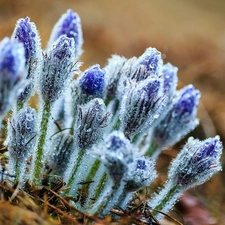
column 112, row 122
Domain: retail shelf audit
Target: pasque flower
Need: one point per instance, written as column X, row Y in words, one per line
column 119, row 69
column 92, row 119
column 194, row 165
column 113, row 74
column 178, row 120
column 58, row 68
column 141, row 105
column 140, row 174
column 92, row 83
column 22, row 133
column 12, row 74
column 69, row 25
column 117, row 155
column 26, row 33
column 152, row 60
column 57, row 72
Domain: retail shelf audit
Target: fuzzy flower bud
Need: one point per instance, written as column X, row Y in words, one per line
column 170, row 79
column 92, row 82
column 21, row 139
column 169, row 73
column 12, row 74
column 113, row 74
column 58, row 68
column 141, row 174
column 22, row 131
column 92, row 120
column 137, row 69
column 26, row 33
column 141, row 105
column 152, row 60
column 117, row 155
column 69, row 25
column 196, row 163
column 179, row 120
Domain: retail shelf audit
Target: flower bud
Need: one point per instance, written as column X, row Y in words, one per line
column 152, row 60
column 92, row 82
column 12, row 74
column 141, row 105
column 22, row 131
column 21, row 139
column 70, row 26
column 113, row 74
column 196, row 163
column 58, row 68
column 141, row 174
column 26, row 33
column 179, row 120
column 92, row 119
column 117, row 154
column 137, row 69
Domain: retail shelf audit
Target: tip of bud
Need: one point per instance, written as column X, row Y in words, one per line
column 69, row 25
column 152, row 60
column 92, row 81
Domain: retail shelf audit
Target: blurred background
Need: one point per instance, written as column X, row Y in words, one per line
column 190, row 34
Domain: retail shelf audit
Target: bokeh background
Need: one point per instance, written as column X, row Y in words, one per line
column 190, row 34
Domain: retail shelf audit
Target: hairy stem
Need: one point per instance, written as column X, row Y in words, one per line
column 165, row 200
column 74, row 171
column 153, row 150
column 38, row 160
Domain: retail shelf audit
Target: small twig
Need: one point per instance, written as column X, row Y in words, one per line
column 168, row 216
column 15, row 192
column 71, row 206
column 45, row 204
column 61, row 212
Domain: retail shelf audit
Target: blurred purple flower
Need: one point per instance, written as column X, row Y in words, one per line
column 12, row 74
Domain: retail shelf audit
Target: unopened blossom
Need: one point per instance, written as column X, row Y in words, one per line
column 12, row 74
column 69, row 25
column 26, row 33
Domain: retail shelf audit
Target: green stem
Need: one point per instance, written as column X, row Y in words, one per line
column 109, row 200
column 93, row 170
column 20, row 105
column 100, row 187
column 152, row 149
column 74, row 171
column 116, row 126
column 38, row 161
column 167, row 200
column 17, row 172
column 91, row 175
column 124, row 199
